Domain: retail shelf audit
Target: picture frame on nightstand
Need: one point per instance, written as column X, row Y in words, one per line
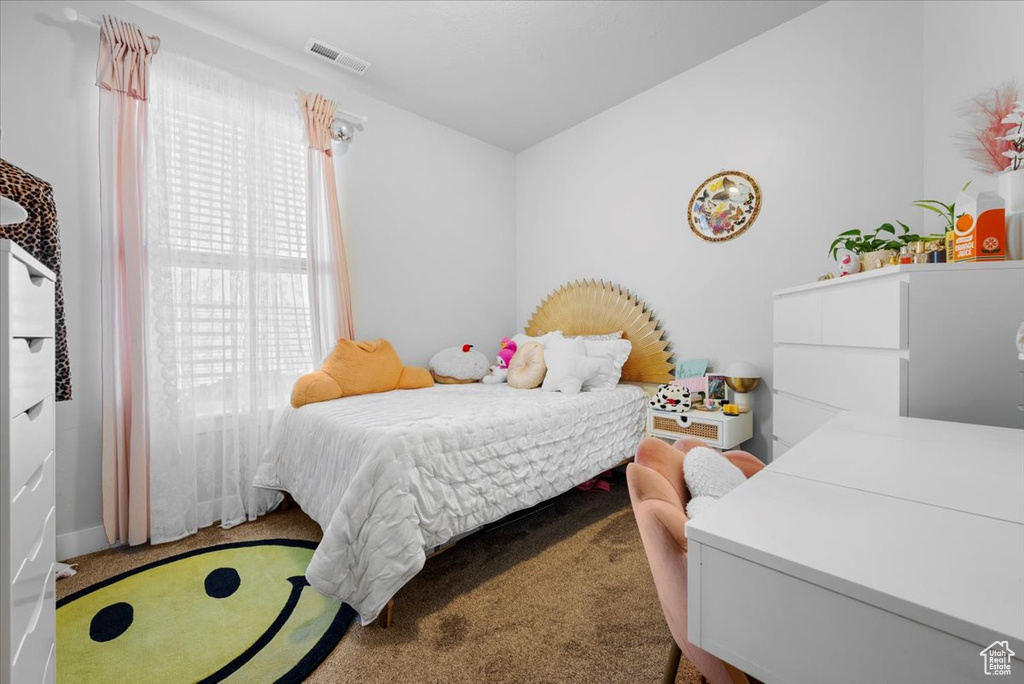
column 716, row 386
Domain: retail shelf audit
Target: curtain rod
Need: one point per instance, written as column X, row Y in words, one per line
column 73, row 15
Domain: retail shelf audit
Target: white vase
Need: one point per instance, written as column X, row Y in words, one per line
column 1015, row 236
column 1011, row 189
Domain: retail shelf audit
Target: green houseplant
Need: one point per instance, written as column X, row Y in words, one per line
column 875, row 246
column 946, row 211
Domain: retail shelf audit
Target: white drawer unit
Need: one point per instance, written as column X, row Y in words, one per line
column 866, row 314
column 925, row 340
column 797, row 419
column 31, row 296
column 851, row 379
column 31, row 373
column 713, row 427
column 27, row 465
column 32, row 439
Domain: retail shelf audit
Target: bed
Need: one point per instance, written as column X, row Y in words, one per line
column 391, row 476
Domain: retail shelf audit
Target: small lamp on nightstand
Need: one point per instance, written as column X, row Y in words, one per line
column 742, row 378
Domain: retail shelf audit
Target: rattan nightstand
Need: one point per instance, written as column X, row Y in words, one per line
column 714, row 427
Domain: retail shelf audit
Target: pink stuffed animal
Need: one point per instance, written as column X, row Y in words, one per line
column 507, row 351
column 499, row 371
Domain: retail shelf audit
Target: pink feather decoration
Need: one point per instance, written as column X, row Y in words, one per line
column 985, row 115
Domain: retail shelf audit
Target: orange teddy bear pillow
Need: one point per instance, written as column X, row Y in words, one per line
column 358, row 368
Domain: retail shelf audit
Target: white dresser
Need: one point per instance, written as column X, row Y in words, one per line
column 27, row 513
column 929, row 341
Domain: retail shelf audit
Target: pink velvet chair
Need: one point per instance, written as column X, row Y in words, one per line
column 658, row 491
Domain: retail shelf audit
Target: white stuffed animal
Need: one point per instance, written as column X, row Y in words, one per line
column 458, row 365
column 496, row 375
column 672, row 398
column 849, row 264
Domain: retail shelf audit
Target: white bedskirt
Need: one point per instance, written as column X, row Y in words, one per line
column 389, row 475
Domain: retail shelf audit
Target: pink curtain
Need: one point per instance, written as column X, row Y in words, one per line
column 121, row 75
column 330, row 297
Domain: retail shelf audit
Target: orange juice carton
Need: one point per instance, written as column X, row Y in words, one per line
column 979, row 233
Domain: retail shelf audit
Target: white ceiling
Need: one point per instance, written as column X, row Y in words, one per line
column 511, row 73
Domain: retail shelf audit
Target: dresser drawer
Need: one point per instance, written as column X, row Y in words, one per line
column 41, row 541
column 35, row 660
column 32, row 372
column 712, row 427
column 32, row 588
column 793, row 419
column 675, row 425
column 34, row 665
column 31, row 440
column 798, row 318
column 737, row 595
column 31, row 302
column 851, row 379
column 868, row 314
column 30, row 506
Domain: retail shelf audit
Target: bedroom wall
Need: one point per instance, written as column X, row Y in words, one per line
column 429, row 214
column 843, row 115
column 969, row 48
column 824, row 111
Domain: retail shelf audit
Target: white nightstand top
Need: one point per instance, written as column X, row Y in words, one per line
column 696, row 414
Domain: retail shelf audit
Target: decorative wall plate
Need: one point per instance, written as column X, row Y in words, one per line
column 724, row 206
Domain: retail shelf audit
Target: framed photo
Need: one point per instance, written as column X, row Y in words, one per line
column 716, row 386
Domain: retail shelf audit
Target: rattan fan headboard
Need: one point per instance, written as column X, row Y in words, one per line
column 596, row 308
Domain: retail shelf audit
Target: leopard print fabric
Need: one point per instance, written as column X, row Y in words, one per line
column 39, row 235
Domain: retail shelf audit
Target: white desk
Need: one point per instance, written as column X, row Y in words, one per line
column 876, row 550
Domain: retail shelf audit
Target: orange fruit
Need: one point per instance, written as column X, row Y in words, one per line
column 964, row 223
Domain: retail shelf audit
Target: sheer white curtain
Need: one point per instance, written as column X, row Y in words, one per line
column 228, row 297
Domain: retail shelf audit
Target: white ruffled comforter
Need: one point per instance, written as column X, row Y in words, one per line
column 389, row 475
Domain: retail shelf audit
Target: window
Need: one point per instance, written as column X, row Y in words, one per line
column 228, row 320
column 229, row 288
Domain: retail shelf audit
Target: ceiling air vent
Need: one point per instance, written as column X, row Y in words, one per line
column 339, row 57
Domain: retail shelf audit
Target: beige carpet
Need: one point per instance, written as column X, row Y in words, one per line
column 563, row 595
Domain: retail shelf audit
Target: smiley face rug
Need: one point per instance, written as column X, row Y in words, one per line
column 238, row 612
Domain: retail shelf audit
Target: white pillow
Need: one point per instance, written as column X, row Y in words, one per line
column 612, row 355
column 698, row 505
column 568, row 365
column 522, row 339
column 709, row 473
column 606, row 336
